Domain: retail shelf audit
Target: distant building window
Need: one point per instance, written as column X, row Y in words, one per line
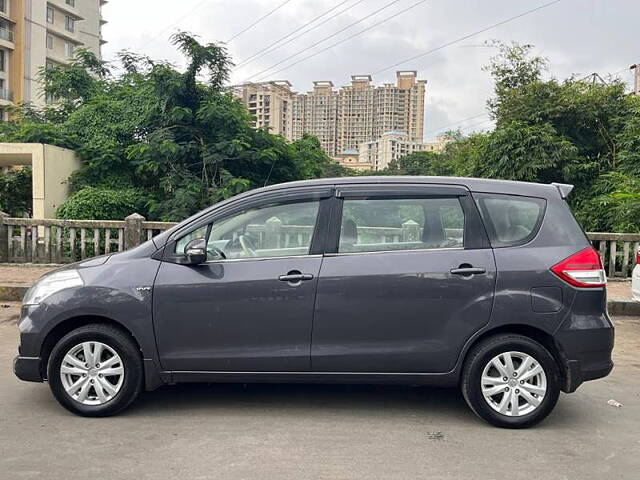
column 49, row 41
column 68, row 49
column 71, row 2
column 69, row 24
column 3, row 6
column 3, row 58
column 49, row 14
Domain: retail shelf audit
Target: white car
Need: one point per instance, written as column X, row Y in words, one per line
column 635, row 279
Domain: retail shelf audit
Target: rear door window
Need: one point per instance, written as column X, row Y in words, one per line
column 510, row 219
column 386, row 224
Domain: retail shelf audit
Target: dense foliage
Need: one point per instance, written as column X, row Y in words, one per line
column 156, row 140
column 101, row 202
column 15, row 192
column 573, row 131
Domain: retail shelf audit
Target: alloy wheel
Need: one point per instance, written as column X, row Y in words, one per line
column 92, row 373
column 513, row 384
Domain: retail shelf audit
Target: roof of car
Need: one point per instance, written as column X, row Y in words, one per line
column 488, row 185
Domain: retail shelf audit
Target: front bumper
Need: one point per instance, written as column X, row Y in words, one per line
column 27, row 368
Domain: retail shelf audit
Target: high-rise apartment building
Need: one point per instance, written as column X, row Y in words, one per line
column 317, row 113
column 40, row 33
column 270, row 104
column 344, row 118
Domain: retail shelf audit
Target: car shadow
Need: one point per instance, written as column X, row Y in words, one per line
column 313, row 399
column 364, row 399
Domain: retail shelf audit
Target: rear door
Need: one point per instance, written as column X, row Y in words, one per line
column 409, row 276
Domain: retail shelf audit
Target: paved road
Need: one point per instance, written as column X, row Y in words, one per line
column 328, row 432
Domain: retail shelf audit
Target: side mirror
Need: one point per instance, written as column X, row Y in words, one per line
column 196, row 251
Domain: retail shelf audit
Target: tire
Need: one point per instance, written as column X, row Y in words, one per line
column 120, row 354
column 530, row 410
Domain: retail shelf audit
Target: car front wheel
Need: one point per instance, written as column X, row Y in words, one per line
column 95, row 370
column 511, row 381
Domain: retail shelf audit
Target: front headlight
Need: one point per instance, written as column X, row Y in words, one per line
column 50, row 284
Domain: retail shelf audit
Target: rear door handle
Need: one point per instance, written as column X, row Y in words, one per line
column 466, row 271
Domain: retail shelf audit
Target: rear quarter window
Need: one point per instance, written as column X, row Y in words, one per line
column 510, row 220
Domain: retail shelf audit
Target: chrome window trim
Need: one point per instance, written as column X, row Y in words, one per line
column 259, row 259
column 438, row 249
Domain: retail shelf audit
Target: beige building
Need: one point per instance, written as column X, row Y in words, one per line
column 341, row 118
column 39, row 33
column 270, row 103
column 52, row 166
column 391, row 146
column 351, row 159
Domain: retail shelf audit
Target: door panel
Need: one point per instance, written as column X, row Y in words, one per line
column 250, row 307
column 396, row 294
column 235, row 315
column 399, row 311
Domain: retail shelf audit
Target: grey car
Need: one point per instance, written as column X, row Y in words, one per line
column 488, row 285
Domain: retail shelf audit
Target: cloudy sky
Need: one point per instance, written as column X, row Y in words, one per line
column 577, row 36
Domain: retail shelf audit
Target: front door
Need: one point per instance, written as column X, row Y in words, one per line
column 250, row 306
column 410, row 279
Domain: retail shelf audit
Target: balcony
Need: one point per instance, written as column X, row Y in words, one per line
column 6, row 34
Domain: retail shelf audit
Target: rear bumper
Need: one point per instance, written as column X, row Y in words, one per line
column 27, row 368
column 588, row 355
column 575, row 375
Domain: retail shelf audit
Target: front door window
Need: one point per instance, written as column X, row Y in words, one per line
column 275, row 230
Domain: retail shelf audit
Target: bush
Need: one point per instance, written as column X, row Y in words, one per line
column 99, row 203
column 15, row 192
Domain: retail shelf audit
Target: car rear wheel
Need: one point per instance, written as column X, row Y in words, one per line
column 95, row 370
column 511, row 381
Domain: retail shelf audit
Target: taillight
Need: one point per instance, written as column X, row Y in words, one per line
column 583, row 269
column 638, row 257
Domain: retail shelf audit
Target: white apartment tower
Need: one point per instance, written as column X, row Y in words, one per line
column 393, row 145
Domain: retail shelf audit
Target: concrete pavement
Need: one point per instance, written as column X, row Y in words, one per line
column 319, row 432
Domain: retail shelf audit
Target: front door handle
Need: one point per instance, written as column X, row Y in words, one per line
column 294, row 276
column 467, row 271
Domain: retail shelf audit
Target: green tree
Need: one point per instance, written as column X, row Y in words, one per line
column 420, row 163
column 100, row 203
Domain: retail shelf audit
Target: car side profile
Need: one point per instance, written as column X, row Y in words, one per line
column 488, row 285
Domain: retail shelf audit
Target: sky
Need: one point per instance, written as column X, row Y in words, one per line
column 577, row 36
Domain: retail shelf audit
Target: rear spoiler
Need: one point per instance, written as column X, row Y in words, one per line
column 564, row 189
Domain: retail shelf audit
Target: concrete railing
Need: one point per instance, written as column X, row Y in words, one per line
column 617, row 250
column 27, row 240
